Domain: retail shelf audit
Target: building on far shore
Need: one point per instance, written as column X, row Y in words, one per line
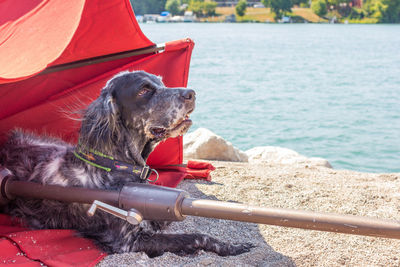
column 250, row 3
column 166, row 16
column 230, row 18
column 189, row 16
column 150, row 18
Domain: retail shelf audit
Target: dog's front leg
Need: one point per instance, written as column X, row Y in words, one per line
column 155, row 244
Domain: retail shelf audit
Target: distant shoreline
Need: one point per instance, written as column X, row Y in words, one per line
column 278, row 23
column 262, row 15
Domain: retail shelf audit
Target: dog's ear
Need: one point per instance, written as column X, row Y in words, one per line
column 111, row 108
column 100, row 121
column 110, row 97
column 111, row 105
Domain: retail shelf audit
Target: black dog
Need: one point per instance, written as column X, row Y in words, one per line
column 134, row 112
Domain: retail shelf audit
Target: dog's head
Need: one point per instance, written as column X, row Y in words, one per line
column 143, row 104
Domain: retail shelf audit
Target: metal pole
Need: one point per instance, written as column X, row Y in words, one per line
column 347, row 224
column 54, row 192
column 163, row 203
column 100, row 59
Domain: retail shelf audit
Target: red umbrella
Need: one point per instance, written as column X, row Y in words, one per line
column 55, row 57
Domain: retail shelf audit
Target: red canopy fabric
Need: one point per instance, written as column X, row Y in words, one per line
column 36, row 34
column 20, row 246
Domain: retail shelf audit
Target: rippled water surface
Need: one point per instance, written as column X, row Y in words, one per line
column 330, row 91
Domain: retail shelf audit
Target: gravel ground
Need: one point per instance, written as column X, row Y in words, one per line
column 287, row 186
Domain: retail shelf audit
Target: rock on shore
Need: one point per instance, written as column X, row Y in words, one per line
column 280, row 155
column 204, row 144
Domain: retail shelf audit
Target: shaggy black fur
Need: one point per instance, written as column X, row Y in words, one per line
column 134, row 112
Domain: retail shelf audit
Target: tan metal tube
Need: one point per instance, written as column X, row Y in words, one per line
column 173, row 204
column 347, row 224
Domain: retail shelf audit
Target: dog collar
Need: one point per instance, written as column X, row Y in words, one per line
column 108, row 163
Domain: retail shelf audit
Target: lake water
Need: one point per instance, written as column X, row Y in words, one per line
column 330, row 91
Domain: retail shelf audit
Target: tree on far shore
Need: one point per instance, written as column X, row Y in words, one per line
column 319, row 7
column 386, row 11
column 241, row 8
column 279, row 7
column 300, row 3
column 173, row 6
column 148, row 7
column 202, row 8
column 209, row 8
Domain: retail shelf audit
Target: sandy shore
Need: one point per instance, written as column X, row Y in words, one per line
column 296, row 187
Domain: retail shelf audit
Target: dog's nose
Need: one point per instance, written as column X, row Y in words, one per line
column 188, row 95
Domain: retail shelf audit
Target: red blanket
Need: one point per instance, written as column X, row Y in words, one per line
column 23, row 247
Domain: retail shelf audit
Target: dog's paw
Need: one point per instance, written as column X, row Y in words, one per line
column 235, row 249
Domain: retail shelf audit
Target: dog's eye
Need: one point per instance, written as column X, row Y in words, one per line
column 144, row 91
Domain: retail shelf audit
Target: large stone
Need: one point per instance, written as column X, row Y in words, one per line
column 280, row 155
column 204, row 144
